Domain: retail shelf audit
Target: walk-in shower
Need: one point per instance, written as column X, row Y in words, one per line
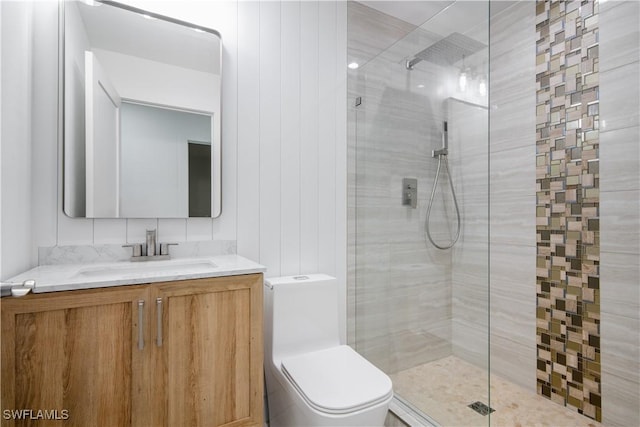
column 531, row 312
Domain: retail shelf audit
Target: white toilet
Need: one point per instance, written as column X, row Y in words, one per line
column 311, row 379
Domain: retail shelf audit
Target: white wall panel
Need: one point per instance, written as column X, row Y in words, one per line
column 309, row 139
column 249, row 129
column 172, row 229
column 327, row 137
column 270, row 114
column 107, row 231
column 73, row 231
column 44, row 193
column 226, row 20
column 199, row 229
column 1, row 181
column 137, row 229
column 290, row 129
column 15, row 151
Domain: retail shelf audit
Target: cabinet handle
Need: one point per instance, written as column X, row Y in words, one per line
column 140, row 324
column 159, row 326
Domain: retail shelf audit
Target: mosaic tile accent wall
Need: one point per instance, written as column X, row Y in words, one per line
column 567, row 217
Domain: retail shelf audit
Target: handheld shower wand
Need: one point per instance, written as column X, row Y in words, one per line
column 445, row 143
column 442, row 154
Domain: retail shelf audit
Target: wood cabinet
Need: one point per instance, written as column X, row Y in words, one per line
column 211, row 351
column 163, row 354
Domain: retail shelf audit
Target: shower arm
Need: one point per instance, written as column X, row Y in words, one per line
column 409, row 63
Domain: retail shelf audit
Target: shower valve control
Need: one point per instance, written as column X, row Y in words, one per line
column 410, row 192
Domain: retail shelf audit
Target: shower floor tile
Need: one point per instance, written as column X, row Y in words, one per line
column 443, row 388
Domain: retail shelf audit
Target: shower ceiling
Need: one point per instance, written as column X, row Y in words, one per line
column 419, row 12
column 413, row 12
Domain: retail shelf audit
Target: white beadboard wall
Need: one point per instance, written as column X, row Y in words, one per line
column 283, row 131
column 15, row 149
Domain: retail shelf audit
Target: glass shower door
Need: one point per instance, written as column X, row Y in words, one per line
column 421, row 312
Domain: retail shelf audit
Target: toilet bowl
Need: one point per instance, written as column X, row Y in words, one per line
column 311, row 379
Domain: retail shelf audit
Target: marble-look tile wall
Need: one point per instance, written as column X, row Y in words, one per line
column 513, row 218
column 619, row 24
column 567, row 209
column 512, row 194
column 468, row 156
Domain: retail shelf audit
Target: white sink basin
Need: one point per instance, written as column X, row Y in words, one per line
column 147, row 268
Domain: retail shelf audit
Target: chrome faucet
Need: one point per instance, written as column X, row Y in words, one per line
column 149, row 254
column 151, row 242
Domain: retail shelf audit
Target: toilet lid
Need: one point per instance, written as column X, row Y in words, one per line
column 337, row 380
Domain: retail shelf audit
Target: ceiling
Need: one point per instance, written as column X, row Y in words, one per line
column 413, row 12
column 417, row 12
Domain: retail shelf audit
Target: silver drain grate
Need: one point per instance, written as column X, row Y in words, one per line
column 481, row 408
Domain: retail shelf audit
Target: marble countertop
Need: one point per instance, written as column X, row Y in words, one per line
column 65, row 277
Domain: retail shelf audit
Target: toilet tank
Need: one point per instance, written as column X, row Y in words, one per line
column 301, row 314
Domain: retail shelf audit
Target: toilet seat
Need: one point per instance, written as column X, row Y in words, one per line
column 337, row 380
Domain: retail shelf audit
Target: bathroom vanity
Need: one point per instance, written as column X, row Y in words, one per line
column 160, row 353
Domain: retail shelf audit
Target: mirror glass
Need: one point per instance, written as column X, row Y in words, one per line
column 141, row 114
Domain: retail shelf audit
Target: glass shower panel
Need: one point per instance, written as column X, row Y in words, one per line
column 421, row 313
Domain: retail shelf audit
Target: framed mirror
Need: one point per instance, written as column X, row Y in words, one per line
column 141, row 116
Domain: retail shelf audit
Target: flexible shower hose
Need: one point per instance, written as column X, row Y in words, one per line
column 455, row 202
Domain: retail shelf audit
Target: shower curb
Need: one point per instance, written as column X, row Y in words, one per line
column 409, row 414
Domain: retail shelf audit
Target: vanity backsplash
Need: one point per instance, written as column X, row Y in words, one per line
column 91, row 254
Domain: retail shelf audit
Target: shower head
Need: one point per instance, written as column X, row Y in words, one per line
column 447, row 51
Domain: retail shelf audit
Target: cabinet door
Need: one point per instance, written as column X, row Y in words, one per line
column 73, row 354
column 211, row 351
